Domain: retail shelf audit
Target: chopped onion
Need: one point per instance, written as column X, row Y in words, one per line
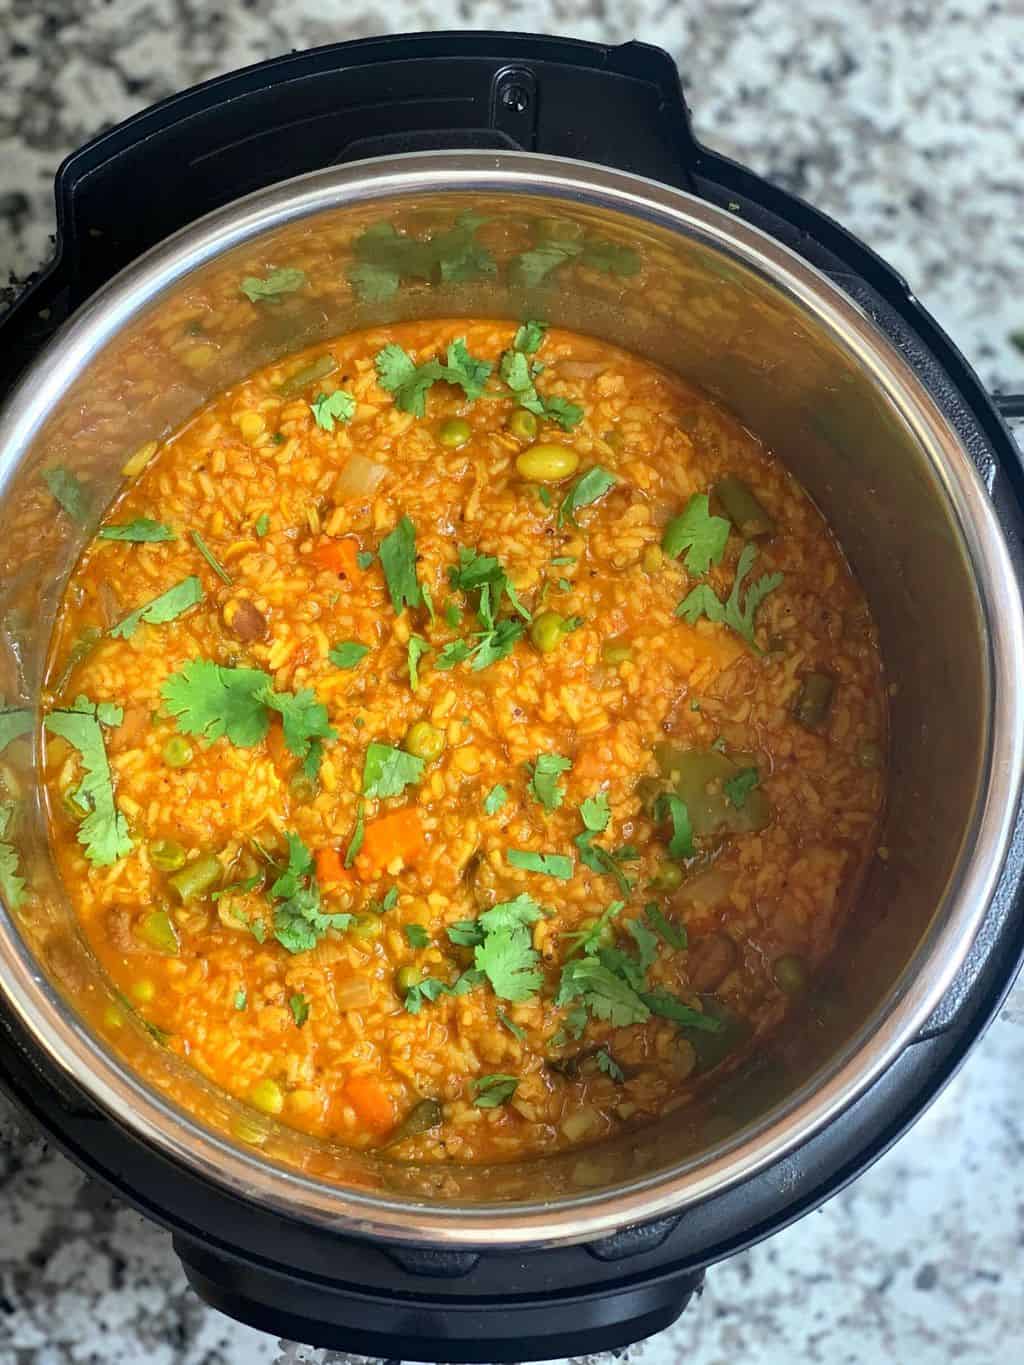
column 353, row 993
column 359, row 478
column 579, row 1123
column 706, row 888
column 581, row 369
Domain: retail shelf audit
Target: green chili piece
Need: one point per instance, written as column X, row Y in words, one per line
column 743, row 509
column 309, row 374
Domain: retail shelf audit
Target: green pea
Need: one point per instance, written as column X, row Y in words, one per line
column 546, row 463
column 546, row 631
column 157, row 931
column 178, row 752
column 616, row 652
column 667, row 877
column 267, row 1096
column 407, row 977
column 196, row 879
column 166, row 855
column 424, row 740
column 454, row 433
column 366, row 926
column 523, row 425
column 790, row 973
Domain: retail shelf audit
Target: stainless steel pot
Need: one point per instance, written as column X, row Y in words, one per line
column 726, row 307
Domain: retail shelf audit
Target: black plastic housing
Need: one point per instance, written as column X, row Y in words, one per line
column 622, row 106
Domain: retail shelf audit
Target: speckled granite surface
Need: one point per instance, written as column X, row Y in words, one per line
column 906, row 121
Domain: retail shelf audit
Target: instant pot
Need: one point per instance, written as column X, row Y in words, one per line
column 817, row 346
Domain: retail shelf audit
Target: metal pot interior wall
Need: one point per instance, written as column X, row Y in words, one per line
column 698, row 309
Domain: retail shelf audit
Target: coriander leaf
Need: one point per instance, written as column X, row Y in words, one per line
column 524, row 910
column 261, row 525
column 702, row 601
column 588, row 940
column 304, row 718
column 599, row 860
column 328, row 408
column 13, row 724
column 428, row 989
column 673, row 934
column 594, row 812
column 509, row 961
column 611, row 258
column 211, row 559
column 493, row 801
column 670, row 1007
column 453, row 653
column 428, row 602
column 544, row 785
column 490, row 1091
column 364, row 558
column 141, row 531
column 512, row 1026
column 551, row 864
column 388, row 771
column 588, row 489
column 356, row 843
column 416, row 649
column 470, row 374
column 466, row 933
column 283, row 281
column 206, row 699
column 167, row 607
column 646, row 942
column 700, row 534
column 398, row 560
column 604, row 994
column 572, row 1028
column 610, row 1067
column 299, row 922
column 671, row 807
column 533, row 266
column 738, row 788
column 474, row 570
column 299, row 1006
column 299, row 866
column 515, row 370
column 373, row 283
column 104, row 831
column 567, row 415
column 70, row 492
column 238, row 888
column 12, row 886
column 497, row 644
column 348, row 654
column 240, row 1000
column 415, row 935
column 452, row 615
column 405, row 380
column 529, row 337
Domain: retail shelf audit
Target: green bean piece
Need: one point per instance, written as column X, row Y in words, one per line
column 309, row 374
column 267, row 1096
column 698, row 777
column 178, row 753
column 870, row 754
column 424, row 1115
column 547, row 463
column 424, row 740
column 743, row 509
column 523, row 425
column 667, row 877
column 454, row 433
column 157, row 931
column 790, row 973
column 546, row 631
column 814, row 699
column 616, row 652
column 167, row 855
column 366, row 927
column 406, row 977
column 197, row 878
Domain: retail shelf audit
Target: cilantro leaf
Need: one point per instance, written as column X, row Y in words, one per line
column 428, row 602
column 529, row 337
column 356, row 842
column 703, row 601
column 299, row 1006
column 415, row 935
column 673, row 808
column 13, row 724
column 588, row 940
column 497, row 644
column 167, row 607
column 594, row 812
column 453, row 653
column 70, row 492
column 12, row 886
column 738, row 788
column 238, row 888
column 141, row 531
column 398, row 560
column 470, row 374
column 673, row 934
column 668, row 1006
column 551, row 864
column 211, row 559
column 603, row 993
column 104, row 831
column 206, row 699
column 299, row 921
column 328, row 408
column 533, row 266
column 610, row 1067
column 416, row 649
column 572, row 1028
column 515, row 370
column 511, row 1025
column 466, row 933
column 388, row 771
column 493, row 801
column 348, row 653
column 611, row 258
column 490, row 1091
column 384, row 257
column 406, row 381
column 523, row 910
column 588, row 489
column 646, row 942
column 599, row 860
column 261, row 525
column 282, row 281
column 509, row 960
column 697, row 532
column 373, row 283
column 304, row 718
column 544, row 785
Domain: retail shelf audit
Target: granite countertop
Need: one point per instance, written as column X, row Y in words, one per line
column 905, row 122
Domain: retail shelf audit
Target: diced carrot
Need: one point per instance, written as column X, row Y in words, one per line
column 340, row 557
column 399, row 834
column 276, row 747
column 330, row 866
column 371, row 1102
